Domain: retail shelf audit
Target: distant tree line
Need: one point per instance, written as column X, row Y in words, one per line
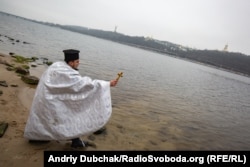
column 228, row 60
column 121, row 38
column 232, row 61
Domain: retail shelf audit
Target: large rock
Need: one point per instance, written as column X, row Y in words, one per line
column 22, row 71
column 3, row 128
column 30, row 79
column 3, row 83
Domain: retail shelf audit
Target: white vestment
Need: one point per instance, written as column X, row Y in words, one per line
column 67, row 105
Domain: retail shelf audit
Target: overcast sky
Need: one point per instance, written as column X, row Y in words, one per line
column 201, row 24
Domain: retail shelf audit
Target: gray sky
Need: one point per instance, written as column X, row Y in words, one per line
column 201, row 24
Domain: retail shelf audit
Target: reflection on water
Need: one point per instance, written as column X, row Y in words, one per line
column 163, row 101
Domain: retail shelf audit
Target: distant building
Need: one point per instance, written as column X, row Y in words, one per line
column 149, row 38
column 225, row 48
column 115, row 29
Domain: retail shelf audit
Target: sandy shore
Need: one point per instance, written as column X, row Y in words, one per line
column 15, row 103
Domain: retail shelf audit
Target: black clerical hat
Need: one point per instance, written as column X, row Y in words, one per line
column 71, row 54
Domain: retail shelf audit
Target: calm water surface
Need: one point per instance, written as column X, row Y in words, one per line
column 190, row 105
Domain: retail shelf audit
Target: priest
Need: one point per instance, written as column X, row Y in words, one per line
column 67, row 105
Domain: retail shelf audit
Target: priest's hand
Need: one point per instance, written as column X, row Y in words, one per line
column 113, row 82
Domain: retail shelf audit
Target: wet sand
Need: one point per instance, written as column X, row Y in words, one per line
column 15, row 103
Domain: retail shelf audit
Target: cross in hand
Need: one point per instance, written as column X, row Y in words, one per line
column 119, row 75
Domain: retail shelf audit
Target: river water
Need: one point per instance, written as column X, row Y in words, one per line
column 163, row 98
